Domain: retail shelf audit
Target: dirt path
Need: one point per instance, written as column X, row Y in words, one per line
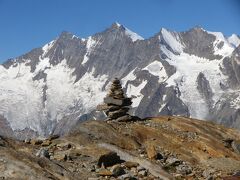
column 154, row 169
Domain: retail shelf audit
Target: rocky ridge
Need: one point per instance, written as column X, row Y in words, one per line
column 154, row 148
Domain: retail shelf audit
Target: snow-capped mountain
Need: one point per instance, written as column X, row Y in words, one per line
column 194, row 73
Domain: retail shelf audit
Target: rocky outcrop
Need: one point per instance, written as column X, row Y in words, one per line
column 165, row 147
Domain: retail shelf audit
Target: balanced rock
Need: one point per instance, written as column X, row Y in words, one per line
column 116, row 105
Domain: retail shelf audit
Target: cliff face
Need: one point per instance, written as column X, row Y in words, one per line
column 193, row 74
column 164, row 147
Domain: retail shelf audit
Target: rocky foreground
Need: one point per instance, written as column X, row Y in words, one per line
column 154, row 148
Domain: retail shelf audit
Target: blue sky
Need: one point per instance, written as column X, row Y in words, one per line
column 27, row 24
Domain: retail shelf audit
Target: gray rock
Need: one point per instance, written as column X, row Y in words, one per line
column 184, row 169
column 117, row 170
column 43, row 153
column 172, row 161
column 236, row 146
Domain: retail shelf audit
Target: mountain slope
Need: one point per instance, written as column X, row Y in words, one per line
column 167, row 147
column 194, row 73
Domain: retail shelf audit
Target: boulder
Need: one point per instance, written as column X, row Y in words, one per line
column 117, row 170
column 46, row 143
column 184, row 169
column 151, row 151
column 130, row 164
column 172, row 161
column 64, row 146
column 60, row 156
column 108, row 159
column 36, row 141
column 43, row 153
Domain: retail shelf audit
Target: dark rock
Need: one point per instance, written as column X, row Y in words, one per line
column 124, row 118
column 117, row 170
column 43, row 153
column 109, row 159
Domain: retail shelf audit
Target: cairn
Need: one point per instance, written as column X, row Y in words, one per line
column 116, row 104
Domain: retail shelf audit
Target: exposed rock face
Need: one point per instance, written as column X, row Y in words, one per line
column 49, row 89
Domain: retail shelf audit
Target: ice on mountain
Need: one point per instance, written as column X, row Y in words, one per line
column 172, row 40
column 134, row 36
column 234, row 40
column 135, row 93
column 157, row 69
column 221, row 45
column 90, row 45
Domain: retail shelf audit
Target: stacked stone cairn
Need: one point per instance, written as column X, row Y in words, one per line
column 116, row 104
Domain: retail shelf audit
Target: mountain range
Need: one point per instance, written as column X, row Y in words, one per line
column 195, row 74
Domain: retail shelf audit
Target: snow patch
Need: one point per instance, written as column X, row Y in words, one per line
column 130, row 77
column 157, row 69
column 224, row 50
column 134, row 36
column 135, row 93
column 91, row 43
column 172, row 40
column 47, row 47
column 234, row 40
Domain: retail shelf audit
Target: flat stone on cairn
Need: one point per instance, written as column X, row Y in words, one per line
column 116, row 105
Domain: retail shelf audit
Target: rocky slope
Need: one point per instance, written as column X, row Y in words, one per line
column 193, row 74
column 154, row 148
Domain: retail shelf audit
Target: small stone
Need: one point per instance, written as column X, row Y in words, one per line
column 60, row 156
column 36, row 141
column 130, row 164
column 184, row 169
column 52, row 137
column 117, row 170
column 104, row 172
column 64, row 146
column 172, row 161
column 27, row 140
column 143, row 173
column 43, row 153
column 140, row 168
column 46, row 143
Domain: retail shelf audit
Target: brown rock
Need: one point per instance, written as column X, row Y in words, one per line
column 130, row 164
column 36, row 141
column 151, row 151
column 104, row 172
column 60, row 156
column 64, row 146
column 46, row 143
